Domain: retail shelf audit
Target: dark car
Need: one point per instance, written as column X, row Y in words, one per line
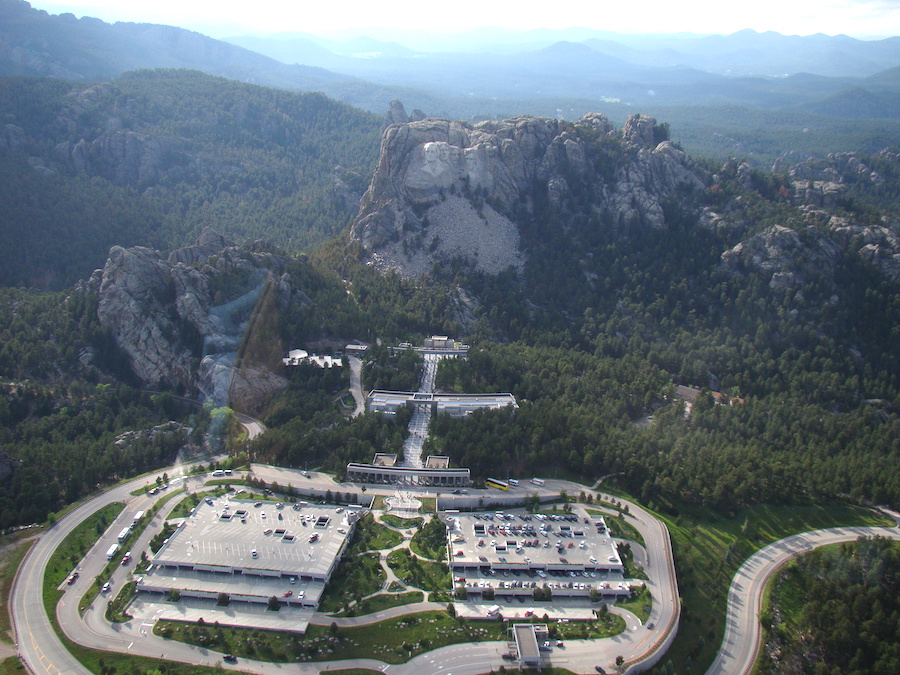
column 509, row 656
column 599, row 669
column 231, row 658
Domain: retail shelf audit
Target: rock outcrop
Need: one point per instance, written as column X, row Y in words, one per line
column 7, row 466
column 177, row 330
column 783, row 255
column 445, row 188
column 820, row 185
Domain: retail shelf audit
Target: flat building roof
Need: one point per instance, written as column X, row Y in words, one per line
column 527, row 643
column 234, row 535
column 532, row 541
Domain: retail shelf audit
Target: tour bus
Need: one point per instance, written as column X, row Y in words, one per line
column 537, row 481
column 111, row 551
column 123, row 535
column 496, row 483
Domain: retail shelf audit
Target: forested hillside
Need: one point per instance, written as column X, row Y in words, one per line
column 835, row 610
column 153, row 157
column 593, row 339
column 778, row 290
column 603, row 324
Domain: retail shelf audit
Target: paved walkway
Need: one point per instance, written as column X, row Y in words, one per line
column 418, row 425
column 390, row 578
column 356, row 385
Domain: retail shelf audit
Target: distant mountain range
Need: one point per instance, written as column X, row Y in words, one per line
column 745, row 68
column 814, row 83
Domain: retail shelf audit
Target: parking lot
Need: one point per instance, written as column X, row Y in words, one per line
column 521, row 554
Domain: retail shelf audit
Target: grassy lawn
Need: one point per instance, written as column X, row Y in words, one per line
column 74, row 548
column 15, row 546
column 632, row 571
column 115, row 609
column 431, row 540
column 12, row 666
column 167, row 531
column 183, row 509
column 61, row 563
column 356, row 576
column 372, row 536
column 393, row 641
column 709, row 547
column 401, row 523
column 424, row 574
column 640, row 606
column 94, row 590
column 619, row 527
column 378, row 603
column 602, row 627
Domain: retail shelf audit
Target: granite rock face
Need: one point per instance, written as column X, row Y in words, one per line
column 7, row 466
column 440, row 185
column 174, row 327
column 783, row 255
column 819, row 185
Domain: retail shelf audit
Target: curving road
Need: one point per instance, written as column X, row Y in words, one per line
column 253, row 426
column 743, row 632
column 43, row 652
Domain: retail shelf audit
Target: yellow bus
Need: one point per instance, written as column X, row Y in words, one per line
column 496, row 483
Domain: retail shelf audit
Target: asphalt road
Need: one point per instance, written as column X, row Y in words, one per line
column 253, row 426
column 743, row 632
column 42, row 650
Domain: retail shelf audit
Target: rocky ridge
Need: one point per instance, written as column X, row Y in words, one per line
column 446, row 189
column 177, row 332
column 812, row 244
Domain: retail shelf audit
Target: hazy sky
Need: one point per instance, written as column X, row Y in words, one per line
column 220, row 18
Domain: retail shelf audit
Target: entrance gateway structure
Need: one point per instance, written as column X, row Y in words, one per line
column 435, row 471
column 383, row 469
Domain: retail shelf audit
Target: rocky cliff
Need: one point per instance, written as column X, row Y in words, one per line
column 445, row 189
column 181, row 319
column 824, row 226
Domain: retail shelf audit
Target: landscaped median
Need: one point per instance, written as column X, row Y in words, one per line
column 94, row 590
column 393, row 641
column 68, row 553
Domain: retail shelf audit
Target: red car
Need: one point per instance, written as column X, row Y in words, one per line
column 287, row 594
